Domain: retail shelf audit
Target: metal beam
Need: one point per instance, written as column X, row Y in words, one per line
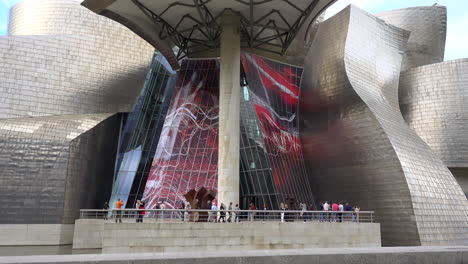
column 206, row 31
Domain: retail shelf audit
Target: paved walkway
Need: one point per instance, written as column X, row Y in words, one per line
column 426, row 255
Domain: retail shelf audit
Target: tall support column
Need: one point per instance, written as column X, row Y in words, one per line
column 229, row 110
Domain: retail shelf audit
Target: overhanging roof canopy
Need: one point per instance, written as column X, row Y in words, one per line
column 194, row 26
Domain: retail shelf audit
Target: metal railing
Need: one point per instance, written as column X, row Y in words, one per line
column 197, row 215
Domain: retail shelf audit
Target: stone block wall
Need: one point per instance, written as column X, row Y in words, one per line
column 199, row 237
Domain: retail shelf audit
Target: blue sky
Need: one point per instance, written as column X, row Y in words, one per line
column 457, row 35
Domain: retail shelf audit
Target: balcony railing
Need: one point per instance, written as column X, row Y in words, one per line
column 216, row 216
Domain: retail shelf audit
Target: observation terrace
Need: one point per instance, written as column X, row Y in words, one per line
column 187, row 230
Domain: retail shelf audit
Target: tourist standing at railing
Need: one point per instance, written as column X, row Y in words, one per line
column 321, row 215
column 213, row 213
column 335, row 210
column 252, row 214
column 341, row 210
column 141, row 212
column 286, row 214
column 106, row 208
column 222, row 213
column 356, row 210
column 265, row 213
column 326, row 208
column 118, row 213
column 303, row 207
column 349, row 211
column 229, row 212
column 282, row 208
column 162, row 206
column 157, row 207
column 237, row 214
column 186, row 213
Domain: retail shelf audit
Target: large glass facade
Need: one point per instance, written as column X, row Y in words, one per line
column 256, row 178
column 270, row 129
column 187, row 153
column 170, row 141
column 141, row 133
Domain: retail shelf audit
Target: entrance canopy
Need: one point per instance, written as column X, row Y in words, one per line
column 194, row 26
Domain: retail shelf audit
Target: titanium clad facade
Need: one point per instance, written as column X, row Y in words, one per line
column 65, row 74
column 434, row 103
column 428, row 30
column 369, row 156
column 53, row 166
column 67, row 55
column 63, row 17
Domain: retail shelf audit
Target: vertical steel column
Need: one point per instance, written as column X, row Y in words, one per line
column 229, row 110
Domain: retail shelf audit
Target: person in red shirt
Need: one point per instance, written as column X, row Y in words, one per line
column 118, row 214
column 335, row 208
column 140, row 205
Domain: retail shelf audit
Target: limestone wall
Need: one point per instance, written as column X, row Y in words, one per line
column 188, row 237
column 88, row 234
column 35, row 234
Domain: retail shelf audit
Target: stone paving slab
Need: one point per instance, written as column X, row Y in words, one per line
column 394, row 255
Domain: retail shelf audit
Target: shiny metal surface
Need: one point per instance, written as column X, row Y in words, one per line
column 434, row 103
column 367, row 154
column 53, row 166
column 428, row 28
column 63, row 17
column 78, row 68
column 71, row 71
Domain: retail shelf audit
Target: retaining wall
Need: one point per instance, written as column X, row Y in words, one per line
column 189, row 237
column 35, row 234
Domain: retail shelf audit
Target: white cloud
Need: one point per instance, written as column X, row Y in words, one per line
column 363, row 4
column 457, row 38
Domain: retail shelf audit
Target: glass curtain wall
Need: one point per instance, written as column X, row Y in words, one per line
column 272, row 90
column 142, row 131
column 256, row 178
column 187, row 153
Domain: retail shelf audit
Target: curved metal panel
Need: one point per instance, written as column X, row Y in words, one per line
column 48, row 162
column 428, row 27
column 61, row 17
column 80, row 67
column 434, row 103
column 358, row 146
column 56, row 75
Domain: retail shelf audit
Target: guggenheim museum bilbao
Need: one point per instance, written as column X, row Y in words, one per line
column 256, row 100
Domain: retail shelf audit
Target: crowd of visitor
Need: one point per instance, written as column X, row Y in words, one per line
column 334, row 212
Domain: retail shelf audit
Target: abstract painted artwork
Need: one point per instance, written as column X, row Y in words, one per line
column 187, row 153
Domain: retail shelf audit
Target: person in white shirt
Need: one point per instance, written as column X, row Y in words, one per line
column 162, row 206
column 303, row 207
column 214, row 214
column 340, row 214
column 282, row 208
column 326, row 208
column 186, row 213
